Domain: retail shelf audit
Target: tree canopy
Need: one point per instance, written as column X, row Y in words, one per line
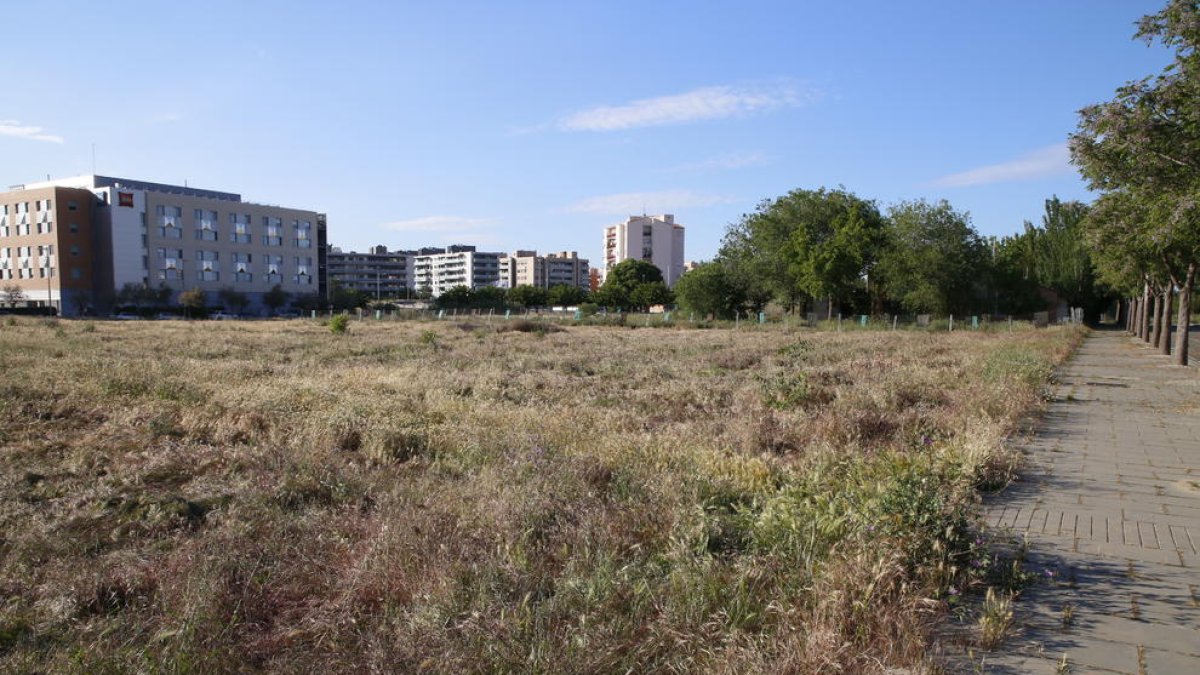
column 806, row 244
column 633, row 284
column 525, row 295
column 708, row 289
column 935, row 262
column 1144, row 145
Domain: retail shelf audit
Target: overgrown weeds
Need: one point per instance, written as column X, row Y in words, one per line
column 426, row 497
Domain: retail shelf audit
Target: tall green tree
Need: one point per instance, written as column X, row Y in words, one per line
column 1013, row 286
column 755, row 254
column 489, row 297
column 935, row 261
column 1116, row 231
column 707, row 289
column 525, row 295
column 839, row 236
column 625, row 279
column 1062, row 260
column 1146, row 143
column 458, row 297
column 645, row 296
column 807, row 244
column 566, row 295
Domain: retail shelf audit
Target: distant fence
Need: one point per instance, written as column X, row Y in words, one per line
column 838, row 322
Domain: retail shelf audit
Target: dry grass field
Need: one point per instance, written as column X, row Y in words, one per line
column 410, row 497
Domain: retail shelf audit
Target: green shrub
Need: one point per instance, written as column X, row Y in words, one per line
column 339, row 324
column 785, row 390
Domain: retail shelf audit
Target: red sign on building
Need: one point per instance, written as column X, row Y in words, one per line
column 125, row 199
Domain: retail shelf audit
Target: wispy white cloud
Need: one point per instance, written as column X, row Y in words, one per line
column 27, row 131
column 447, row 229
column 726, row 162
column 1054, row 160
column 667, row 201
column 439, row 224
column 706, row 103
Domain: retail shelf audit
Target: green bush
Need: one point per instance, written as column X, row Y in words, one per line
column 339, row 324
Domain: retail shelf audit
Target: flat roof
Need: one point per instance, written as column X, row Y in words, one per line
column 94, row 181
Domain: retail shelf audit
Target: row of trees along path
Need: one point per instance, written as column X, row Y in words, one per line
column 1141, row 150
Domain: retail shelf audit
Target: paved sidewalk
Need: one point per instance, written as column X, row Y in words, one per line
column 1110, row 501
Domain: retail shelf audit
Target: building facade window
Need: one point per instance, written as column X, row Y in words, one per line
column 208, row 266
column 303, row 276
column 272, row 231
column 241, row 267
column 302, row 229
column 170, row 264
column 274, row 268
column 239, row 228
column 206, row 225
column 170, row 221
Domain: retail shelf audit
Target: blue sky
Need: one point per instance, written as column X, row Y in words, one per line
column 534, row 124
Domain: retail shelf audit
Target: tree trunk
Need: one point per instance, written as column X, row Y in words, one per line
column 1144, row 313
column 1185, row 317
column 1164, row 333
column 1152, row 329
column 1134, row 305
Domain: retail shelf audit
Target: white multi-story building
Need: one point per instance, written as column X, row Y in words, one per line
column 527, row 268
column 440, row 269
column 656, row 239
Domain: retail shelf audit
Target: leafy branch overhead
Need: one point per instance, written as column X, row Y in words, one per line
column 1142, row 150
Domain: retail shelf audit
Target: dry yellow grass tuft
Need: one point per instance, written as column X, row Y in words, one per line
column 422, row 496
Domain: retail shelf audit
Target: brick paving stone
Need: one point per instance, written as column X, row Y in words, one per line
column 1110, row 502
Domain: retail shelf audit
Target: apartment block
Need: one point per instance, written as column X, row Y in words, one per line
column 655, row 239
column 440, row 269
column 527, row 268
column 143, row 233
column 46, row 245
column 379, row 272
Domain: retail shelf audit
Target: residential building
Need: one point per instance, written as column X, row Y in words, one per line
column 379, row 272
column 46, row 245
column 527, row 268
column 655, row 239
column 440, row 269
column 567, row 269
column 116, row 232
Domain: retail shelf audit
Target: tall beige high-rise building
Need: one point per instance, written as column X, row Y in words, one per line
column 655, row 239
